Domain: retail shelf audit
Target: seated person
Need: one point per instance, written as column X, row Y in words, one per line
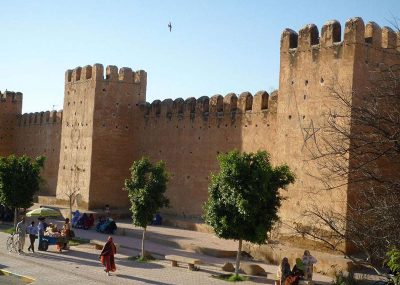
column 75, row 218
column 298, row 268
column 292, row 280
column 111, row 227
column 81, row 221
column 89, row 222
column 108, row 226
column 283, row 271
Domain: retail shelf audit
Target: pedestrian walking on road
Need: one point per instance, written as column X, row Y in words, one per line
column 107, row 256
column 32, row 231
column 21, row 231
column 41, row 229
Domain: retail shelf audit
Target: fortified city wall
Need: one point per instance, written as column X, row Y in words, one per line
column 31, row 134
column 106, row 123
column 189, row 134
column 40, row 134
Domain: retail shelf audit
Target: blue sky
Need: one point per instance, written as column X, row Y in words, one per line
column 215, row 47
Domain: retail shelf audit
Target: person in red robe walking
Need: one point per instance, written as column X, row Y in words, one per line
column 107, row 256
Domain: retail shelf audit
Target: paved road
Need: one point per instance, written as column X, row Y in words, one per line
column 81, row 266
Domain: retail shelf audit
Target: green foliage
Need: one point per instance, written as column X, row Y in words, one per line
column 232, row 277
column 19, row 180
column 77, row 241
column 393, row 260
column 9, row 230
column 235, row 278
column 141, row 259
column 244, row 196
column 146, row 189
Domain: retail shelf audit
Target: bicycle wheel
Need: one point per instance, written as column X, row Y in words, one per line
column 10, row 244
column 45, row 245
column 16, row 244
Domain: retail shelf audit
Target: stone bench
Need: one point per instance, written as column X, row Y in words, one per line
column 98, row 244
column 189, row 261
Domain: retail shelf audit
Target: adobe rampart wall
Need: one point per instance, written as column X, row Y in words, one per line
column 188, row 135
column 40, row 134
column 31, row 134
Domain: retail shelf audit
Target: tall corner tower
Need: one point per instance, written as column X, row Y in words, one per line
column 310, row 64
column 10, row 109
column 313, row 67
column 97, row 133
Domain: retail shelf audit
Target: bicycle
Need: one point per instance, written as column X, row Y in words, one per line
column 13, row 243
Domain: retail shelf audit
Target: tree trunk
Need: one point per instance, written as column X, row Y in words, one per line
column 70, row 209
column 238, row 258
column 15, row 216
column 143, row 238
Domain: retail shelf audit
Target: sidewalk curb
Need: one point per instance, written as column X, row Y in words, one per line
column 26, row 279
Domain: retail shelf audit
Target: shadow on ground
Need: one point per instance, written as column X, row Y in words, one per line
column 135, row 278
column 72, row 256
column 141, row 265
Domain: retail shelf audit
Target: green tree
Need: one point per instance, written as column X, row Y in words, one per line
column 244, row 198
column 19, row 181
column 146, row 188
column 393, row 261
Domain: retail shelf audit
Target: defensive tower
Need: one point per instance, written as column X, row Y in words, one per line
column 97, row 133
column 10, row 108
column 312, row 66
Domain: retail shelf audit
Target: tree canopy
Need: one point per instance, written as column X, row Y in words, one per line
column 244, row 196
column 146, row 189
column 19, row 180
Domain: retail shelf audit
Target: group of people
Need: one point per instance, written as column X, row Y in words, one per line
column 303, row 269
column 39, row 232
column 106, row 256
column 106, row 225
column 82, row 220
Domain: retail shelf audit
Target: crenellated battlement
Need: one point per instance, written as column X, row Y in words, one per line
column 11, row 97
column 40, row 118
column 355, row 33
column 112, row 74
column 216, row 105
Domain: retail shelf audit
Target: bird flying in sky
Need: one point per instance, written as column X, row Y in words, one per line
column 170, row 26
